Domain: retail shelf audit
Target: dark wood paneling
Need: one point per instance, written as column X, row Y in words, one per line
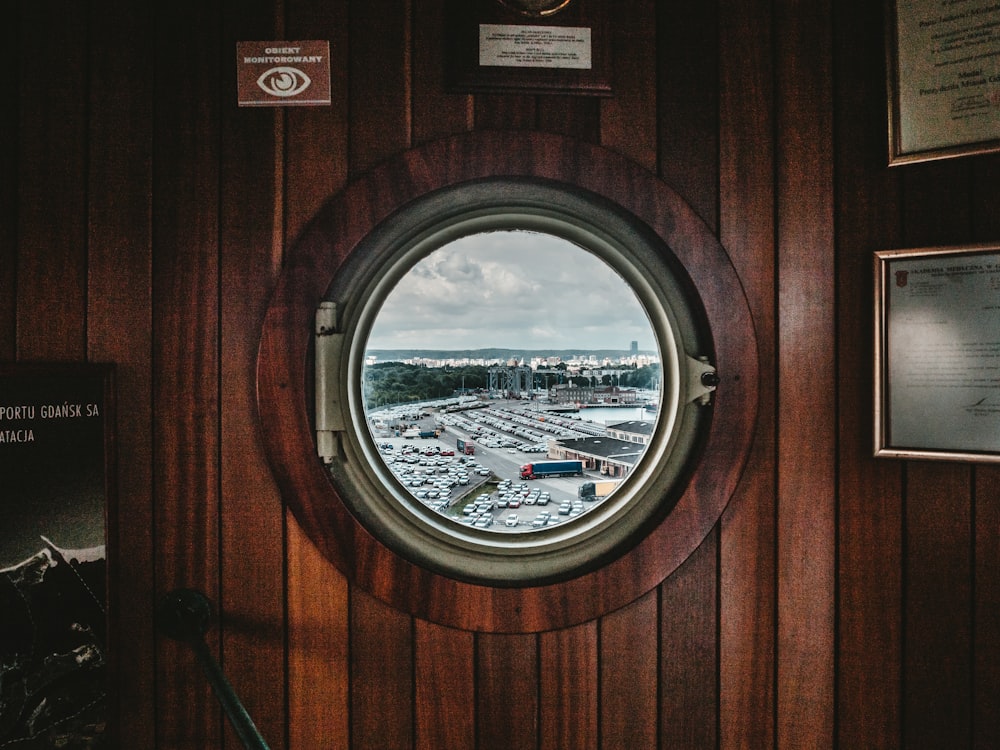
column 11, row 61
column 807, row 392
column 380, row 82
column 504, row 112
column 746, row 230
column 435, row 113
column 569, row 695
column 445, row 688
column 315, row 156
column 315, row 166
column 629, row 117
column 186, row 350
column 628, row 680
column 253, row 617
column 382, row 679
column 937, row 651
column 51, row 213
column 143, row 218
column 689, row 651
column 575, row 117
column 870, row 523
column 687, row 101
column 986, row 610
column 119, row 325
column 318, row 673
column 506, row 701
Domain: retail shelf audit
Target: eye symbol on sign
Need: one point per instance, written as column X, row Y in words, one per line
column 284, row 81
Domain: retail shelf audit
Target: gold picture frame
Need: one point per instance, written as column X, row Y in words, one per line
column 937, row 353
column 943, row 80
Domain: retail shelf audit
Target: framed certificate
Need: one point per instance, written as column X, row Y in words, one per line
column 937, row 353
column 943, row 65
column 528, row 46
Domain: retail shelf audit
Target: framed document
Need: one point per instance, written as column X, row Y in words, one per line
column 528, row 46
column 937, row 353
column 56, row 509
column 943, row 64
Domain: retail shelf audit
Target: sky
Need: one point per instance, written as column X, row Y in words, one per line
column 511, row 289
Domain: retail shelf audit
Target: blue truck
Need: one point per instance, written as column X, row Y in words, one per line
column 551, row 469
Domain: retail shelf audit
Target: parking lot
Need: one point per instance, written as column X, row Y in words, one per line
column 480, row 490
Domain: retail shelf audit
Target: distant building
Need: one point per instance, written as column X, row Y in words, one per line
column 610, row 457
column 612, row 395
column 607, row 395
column 567, row 393
column 634, row 349
column 632, row 431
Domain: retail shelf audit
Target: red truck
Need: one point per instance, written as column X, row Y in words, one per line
column 465, row 447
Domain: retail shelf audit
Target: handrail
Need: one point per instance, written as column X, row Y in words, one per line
column 184, row 615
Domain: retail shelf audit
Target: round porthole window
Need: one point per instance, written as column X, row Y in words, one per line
column 528, row 270
column 507, row 381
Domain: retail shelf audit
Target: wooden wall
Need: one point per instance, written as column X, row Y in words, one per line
column 840, row 602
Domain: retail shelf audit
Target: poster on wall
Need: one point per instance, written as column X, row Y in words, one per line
column 944, row 78
column 937, row 353
column 56, row 509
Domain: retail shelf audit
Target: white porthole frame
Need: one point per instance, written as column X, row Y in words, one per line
column 344, row 319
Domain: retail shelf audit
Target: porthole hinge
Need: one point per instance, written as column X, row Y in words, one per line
column 329, row 412
column 702, row 380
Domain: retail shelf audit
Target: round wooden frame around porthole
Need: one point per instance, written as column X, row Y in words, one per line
column 523, row 175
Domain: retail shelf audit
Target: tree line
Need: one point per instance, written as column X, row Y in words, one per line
column 400, row 383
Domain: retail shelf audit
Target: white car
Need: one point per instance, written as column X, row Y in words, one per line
column 511, row 520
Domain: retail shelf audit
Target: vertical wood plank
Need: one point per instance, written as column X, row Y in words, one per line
column 185, row 350
column 445, row 688
column 688, row 101
column 51, row 268
column 628, row 119
column 315, row 167
column 686, row 49
column 504, row 112
column 870, row 522
column 986, row 612
column 576, row 117
column 506, row 703
column 380, row 86
column 315, row 138
column 629, row 674
column 689, row 660
column 382, row 680
column 11, row 60
column 569, row 688
column 119, row 329
column 807, row 382
column 435, row 113
column 937, row 664
column 252, row 517
column 746, row 230
column 318, row 665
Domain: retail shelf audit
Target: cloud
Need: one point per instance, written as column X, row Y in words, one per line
column 511, row 289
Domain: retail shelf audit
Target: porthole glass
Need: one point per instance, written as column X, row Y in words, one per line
column 534, row 270
column 511, row 381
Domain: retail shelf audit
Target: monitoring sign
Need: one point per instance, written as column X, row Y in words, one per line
column 283, row 74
